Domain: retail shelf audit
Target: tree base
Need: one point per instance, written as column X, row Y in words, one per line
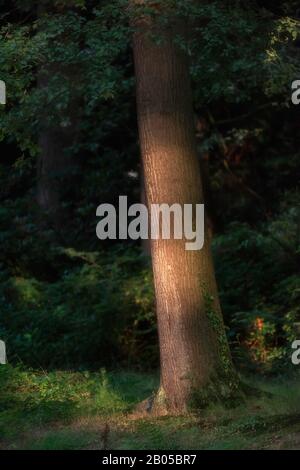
column 155, row 405
column 228, row 396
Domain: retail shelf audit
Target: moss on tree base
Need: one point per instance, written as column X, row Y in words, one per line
column 229, row 395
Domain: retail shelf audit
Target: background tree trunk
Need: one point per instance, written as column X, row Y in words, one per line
column 56, row 165
column 194, row 354
column 54, row 168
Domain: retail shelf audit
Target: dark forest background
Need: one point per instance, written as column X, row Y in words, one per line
column 68, row 300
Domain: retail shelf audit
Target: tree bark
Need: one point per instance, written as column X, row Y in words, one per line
column 145, row 242
column 56, row 166
column 194, row 355
column 54, row 169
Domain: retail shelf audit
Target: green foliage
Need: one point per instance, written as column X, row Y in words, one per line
column 257, row 269
column 96, row 312
column 239, row 53
column 78, row 54
column 33, row 398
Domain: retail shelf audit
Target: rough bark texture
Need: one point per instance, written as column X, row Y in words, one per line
column 194, row 355
column 145, row 242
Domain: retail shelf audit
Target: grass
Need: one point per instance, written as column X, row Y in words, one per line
column 84, row 410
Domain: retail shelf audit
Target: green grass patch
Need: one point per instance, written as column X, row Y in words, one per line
column 77, row 410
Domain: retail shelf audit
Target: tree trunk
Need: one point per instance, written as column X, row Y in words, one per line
column 145, row 241
column 56, row 166
column 194, row 355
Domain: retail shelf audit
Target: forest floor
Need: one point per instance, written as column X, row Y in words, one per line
column 85, row 410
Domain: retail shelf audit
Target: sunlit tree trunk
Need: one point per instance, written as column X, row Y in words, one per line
column 145, row 242
column 194, row 355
